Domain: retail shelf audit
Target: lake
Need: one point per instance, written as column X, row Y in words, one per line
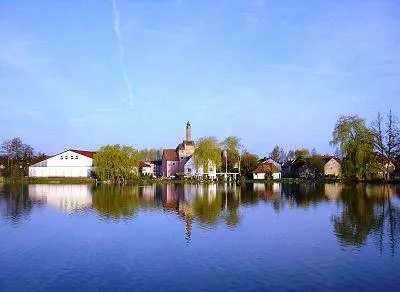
column 191, row 237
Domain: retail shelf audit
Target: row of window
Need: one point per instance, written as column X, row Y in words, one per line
column 66, row 157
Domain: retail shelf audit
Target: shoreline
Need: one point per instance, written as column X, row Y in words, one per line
column 147, row 181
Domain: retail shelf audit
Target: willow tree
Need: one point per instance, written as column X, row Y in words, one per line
column 355, row 142
column 207, row 150
column 116, row 163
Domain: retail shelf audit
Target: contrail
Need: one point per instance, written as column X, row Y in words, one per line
column 121, row 54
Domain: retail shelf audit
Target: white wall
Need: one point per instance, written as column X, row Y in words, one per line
column 262, row 175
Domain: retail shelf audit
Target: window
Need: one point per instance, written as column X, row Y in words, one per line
column 66, row 156
column 72, row 157
column 76, row 157
column 61, row 157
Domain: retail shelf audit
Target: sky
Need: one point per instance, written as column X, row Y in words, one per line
column 82, row 74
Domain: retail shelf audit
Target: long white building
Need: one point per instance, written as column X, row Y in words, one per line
column 70, row 163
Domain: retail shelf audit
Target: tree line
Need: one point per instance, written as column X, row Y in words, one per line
column 16, row 156
column 363, row 149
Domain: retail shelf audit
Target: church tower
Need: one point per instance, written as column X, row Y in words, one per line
column 188, row 132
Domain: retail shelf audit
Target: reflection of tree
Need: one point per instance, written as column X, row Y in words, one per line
column 119, row 202
column 15, row 205
column 368, row 210
column 207, row 208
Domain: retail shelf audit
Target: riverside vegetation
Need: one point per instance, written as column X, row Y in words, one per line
column 362, row 149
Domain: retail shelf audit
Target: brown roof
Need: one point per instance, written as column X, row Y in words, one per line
column 266, row 167
column 170, row 155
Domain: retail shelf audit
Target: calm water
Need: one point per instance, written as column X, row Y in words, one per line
column 200, row 237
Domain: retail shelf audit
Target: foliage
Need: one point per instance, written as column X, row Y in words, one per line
column 149, row 154
column 355, row 142
column 207, row 149
column 248, row 163
column 386, row 141
column 233, row 146
column 116, row 163
column 278, row 154
column 303, row 153
column 19, row 156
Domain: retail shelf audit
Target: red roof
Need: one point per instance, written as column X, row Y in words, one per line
column 144, row 164
column 170, row 155
column 84, row 153
column 266, row 167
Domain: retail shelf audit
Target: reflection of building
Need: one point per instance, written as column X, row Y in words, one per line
column 70, row 163
column 65, row 197
column 267, row 190
column 333, row 191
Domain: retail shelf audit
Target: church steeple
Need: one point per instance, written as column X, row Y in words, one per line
column 188, row 132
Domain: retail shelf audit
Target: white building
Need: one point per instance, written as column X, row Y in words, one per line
column 191, row 171
column 265, row 170
column 70, row 163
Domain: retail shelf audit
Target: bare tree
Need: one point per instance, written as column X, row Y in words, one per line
column 392, row 140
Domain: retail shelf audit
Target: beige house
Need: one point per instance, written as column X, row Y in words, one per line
column 332, row 167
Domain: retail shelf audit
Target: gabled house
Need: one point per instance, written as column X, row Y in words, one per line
column 190, row 170
column 266, row 170
column 69, row 163
column 271, row 160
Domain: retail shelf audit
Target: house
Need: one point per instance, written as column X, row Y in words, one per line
column 173, row 160
column 271, row 160
column 332, row 166
column 146, row 168
column 265, row 170
column 70, row 163
column 312, row 167
column 190, row 169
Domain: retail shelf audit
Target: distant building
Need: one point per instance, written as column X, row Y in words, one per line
column 312, row 167
column 173, row 160
column 271, row 160
column 190, row 170
column 70, row 163
column 265, row 170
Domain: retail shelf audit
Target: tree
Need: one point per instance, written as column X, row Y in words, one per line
column 248, row 163
column 290, row 155
column 386, row 141
column 355, row 142
column 392, row 140
column 303, row 153
column 19, row 156
column 278, row 154
column 233, row 146
column 207, row 149
column 150, row 154
column 116, row 163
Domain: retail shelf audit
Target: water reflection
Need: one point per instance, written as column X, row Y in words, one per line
column 363, row 212
column 15, row 204
column 369, row 210
column 64, row 197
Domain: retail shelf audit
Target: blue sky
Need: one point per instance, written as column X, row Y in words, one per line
column 270, row 72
